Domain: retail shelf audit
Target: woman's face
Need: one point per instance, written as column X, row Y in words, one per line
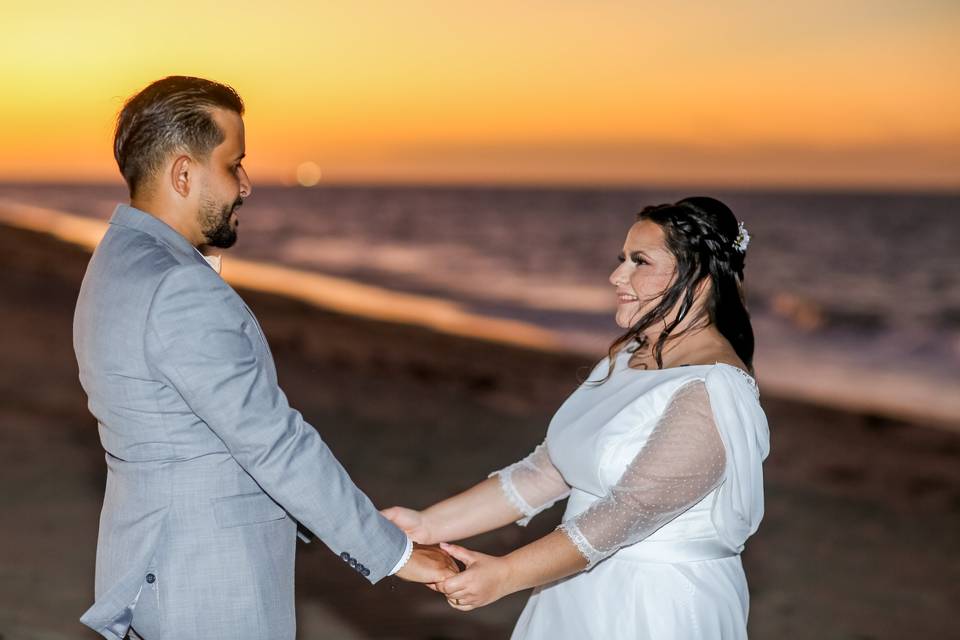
column 646, row 270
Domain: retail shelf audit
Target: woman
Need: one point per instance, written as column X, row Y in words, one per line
column 660, row 452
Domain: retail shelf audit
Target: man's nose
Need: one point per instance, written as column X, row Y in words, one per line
column 245, row 187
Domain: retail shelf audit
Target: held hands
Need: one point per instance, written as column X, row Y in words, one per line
column 485, row 580
column 411, row 522
column 429, row 565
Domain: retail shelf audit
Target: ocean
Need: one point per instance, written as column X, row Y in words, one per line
column 855, row 297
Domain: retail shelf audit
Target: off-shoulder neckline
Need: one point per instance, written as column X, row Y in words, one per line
column 749, row 378
column 742, row 372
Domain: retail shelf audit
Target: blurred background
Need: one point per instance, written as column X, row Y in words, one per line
column 440, row 193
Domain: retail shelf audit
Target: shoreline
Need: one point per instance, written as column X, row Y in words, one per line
column 888, row 394
column 325, row 292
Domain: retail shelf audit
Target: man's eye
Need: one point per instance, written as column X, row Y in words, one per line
column 621, row 259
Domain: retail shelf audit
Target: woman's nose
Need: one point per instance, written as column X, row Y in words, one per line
column 617, row 277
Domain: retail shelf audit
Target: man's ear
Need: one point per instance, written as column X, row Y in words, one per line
column 182, row 175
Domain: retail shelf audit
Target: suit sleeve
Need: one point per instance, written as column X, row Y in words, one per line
column 196, row 339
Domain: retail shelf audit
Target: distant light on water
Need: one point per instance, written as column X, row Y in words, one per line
column 308, row 174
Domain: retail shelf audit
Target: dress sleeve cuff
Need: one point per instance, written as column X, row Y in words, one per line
column 513, row 496
column 592, row 555
column 407, row 552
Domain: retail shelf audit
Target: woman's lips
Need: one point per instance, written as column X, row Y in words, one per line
column 624, row 298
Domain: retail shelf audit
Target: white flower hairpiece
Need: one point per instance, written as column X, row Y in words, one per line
column 743, row 239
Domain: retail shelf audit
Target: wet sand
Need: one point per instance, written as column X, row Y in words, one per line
column 859, row 541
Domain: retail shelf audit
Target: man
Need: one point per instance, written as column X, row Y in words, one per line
column 209, row 470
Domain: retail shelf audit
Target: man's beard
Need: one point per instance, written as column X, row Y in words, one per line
column 215, row 222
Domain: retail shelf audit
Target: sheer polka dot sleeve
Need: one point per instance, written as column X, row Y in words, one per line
column 682, row 461
column 533, row 484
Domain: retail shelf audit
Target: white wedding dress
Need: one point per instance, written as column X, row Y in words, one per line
column 663, row 472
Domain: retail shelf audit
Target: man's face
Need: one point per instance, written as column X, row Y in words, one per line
column 224, row 183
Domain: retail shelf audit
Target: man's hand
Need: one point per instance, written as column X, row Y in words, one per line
column 428, row 565
column 411, row 522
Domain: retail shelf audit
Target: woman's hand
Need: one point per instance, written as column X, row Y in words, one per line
column 485, row 580
column 411, row 522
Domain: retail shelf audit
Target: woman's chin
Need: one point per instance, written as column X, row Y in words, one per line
column 627, row 315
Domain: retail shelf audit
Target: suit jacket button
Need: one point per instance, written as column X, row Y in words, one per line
column 151, row 578
column 345, row 556
column 365, row 572
column 353, row 562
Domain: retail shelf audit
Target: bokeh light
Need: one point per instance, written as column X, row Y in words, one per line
column 308, row 174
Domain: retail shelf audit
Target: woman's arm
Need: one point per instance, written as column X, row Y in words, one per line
column 489, row 578
column 481, row 508
column 513, row 494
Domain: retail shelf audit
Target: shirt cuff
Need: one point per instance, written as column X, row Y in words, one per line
column 407, row 552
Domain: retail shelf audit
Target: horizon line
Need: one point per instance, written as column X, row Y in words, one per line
column 758, row 187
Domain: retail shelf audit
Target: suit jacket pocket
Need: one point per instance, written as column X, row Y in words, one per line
column 248, row 508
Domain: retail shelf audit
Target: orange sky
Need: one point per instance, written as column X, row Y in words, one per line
column 858, row 93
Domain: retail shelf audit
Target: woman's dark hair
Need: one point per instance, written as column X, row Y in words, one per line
column 702, row 234
column 171, row 114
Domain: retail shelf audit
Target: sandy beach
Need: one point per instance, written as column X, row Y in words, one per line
column 859, row 540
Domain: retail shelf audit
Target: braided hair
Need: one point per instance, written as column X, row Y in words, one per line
column 704, row 237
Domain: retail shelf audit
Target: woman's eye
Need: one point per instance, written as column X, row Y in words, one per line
column 634, row 258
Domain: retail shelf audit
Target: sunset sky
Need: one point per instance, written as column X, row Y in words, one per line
column 814, row 93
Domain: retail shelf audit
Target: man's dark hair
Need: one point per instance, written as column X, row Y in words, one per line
column 169, row 115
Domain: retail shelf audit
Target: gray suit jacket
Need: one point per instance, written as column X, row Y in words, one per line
column 209, row 469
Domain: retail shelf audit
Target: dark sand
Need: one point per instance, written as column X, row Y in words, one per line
column 863, row 513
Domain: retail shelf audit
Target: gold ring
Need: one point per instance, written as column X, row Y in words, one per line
column 456, row 601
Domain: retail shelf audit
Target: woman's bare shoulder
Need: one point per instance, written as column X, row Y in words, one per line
column 717, row 356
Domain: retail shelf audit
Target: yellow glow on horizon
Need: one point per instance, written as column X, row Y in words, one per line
column 549, row 92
